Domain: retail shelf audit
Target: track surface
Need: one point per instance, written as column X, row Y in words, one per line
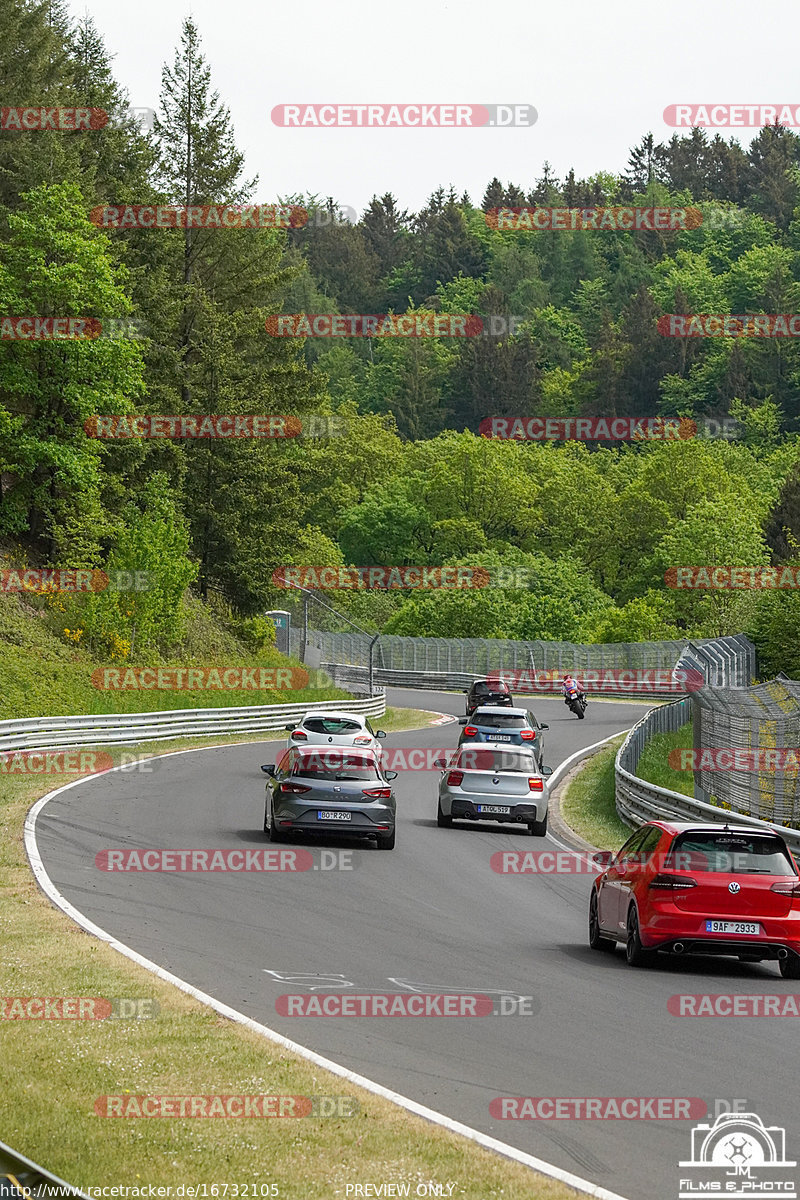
column 431, row 916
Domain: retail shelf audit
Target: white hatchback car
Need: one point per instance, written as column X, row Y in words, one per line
column 335, row 729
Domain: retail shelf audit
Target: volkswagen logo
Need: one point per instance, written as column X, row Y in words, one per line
column 734, row 888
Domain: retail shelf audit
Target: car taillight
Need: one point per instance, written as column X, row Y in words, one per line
column 672, row 881
column 296, row 789
column 787, row 889
column 470, row 730
column 455, row 778
column 300, row 735
column 362, row 740
column 378, row 793
column 528, row 735
column 535, row 784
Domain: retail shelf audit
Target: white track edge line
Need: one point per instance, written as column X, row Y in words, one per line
column 436, row 1118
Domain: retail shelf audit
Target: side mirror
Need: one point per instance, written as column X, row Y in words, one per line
column 290, row 727
column 380, row 733
column 462, row 720
column 467, row 691
column 544, row 725
column 440, row 762
column 268, row 768
column 390, row 775
column 603, row 858
column 545, row 771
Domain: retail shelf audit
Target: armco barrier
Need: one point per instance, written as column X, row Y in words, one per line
column 124, row 729
column 639, row 801
column 26, row 1179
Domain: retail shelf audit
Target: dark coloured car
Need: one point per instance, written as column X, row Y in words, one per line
column 683, row 888
column 316, row 789
column 485, row 691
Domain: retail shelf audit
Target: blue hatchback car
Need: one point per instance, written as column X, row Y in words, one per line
column 504, row 726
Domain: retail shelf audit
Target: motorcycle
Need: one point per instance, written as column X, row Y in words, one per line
column 576, row 702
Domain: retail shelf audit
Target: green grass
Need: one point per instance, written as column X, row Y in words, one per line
column 42, row 675
column 56, row 1069
column 587, row 805
column 654, row 765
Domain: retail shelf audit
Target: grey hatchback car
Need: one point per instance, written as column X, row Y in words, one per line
column 315, row 789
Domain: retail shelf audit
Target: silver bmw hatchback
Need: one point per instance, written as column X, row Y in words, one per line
column 484, row 782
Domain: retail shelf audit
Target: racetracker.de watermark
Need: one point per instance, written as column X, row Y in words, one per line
column 618, row 679
column 346, row 325
column 543, row 862
column 734, row 1004
column 404, row 116
column 77, row 1008
column 724, row 578
column 62, row 120
column 199, row 679
column 587, row 429
column 158, row 860
column 727, row 116
column 597, row 1108
column 223, row 1105
column 730, row 758
column 198, row 216
column 54, row 762
column 202, row 427
column 615, row 220
column 754, row 325
column 402, row 1004
column 381, row 578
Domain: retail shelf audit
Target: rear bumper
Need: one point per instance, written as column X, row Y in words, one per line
column 752, row 948
column 464, row 808
column 378, row 820
column 688, row 929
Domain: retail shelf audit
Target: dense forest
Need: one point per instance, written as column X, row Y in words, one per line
column 577, row 537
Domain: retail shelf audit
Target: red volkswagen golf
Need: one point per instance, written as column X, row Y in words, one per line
column 699, row 889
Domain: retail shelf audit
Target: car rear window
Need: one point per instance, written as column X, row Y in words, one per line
column 477, row 759
column 331, row 725
column 730, row 854
column 499, row 721
column 335, row 766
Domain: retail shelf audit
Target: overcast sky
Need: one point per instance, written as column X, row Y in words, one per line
column 599, row 75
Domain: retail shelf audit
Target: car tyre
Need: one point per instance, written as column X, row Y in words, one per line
column 596, row 939
column 538, row 828
column 790, row 967
column 443, row 821
column 635, row 952
column 273, row 833
column 386, row 841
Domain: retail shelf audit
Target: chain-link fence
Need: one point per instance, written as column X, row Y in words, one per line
column 763, row 718
column 454, row 662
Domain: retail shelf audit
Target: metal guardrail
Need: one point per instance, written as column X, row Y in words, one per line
column 58, row 733
column 638, row 801
column 29, row 1180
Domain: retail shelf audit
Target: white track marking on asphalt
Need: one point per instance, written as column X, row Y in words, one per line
column 563, row 768
column 369, row 1085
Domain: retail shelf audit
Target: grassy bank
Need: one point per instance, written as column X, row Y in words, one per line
column 587, row 804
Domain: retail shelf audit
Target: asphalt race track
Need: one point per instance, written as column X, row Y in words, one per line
column 429, row 916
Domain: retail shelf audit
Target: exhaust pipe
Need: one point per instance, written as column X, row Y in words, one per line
column 678, row 948
column 783, row 953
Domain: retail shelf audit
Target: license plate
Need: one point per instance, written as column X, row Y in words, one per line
column 330, row 814
column 493, row 808
column 740, row 927
column 501, row 737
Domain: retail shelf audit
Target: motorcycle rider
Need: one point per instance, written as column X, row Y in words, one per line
column 568, row 684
